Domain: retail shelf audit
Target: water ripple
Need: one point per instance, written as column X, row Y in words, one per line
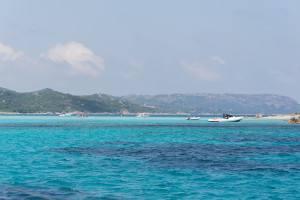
column 221, row 157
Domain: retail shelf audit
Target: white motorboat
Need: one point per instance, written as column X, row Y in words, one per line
column 226, row 118
column 142, row 115
column 193, row 118
column 65, row 115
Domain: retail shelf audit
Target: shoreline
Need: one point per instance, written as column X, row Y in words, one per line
column 282, row 116
column 271, row 116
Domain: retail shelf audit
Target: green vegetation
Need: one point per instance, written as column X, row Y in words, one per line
column 48, row 100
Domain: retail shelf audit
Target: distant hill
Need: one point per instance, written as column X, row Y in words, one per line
column 48, row 100
column 218, row 103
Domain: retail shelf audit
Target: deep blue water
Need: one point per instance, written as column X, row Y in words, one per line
column 109, row 157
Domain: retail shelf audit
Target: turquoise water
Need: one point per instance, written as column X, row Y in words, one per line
column 109, row 157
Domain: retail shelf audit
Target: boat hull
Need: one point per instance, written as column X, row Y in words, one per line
column 231, row 119
column 142, row 115
column 193, row 118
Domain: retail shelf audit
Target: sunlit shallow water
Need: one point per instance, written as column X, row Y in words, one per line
column 114, row 157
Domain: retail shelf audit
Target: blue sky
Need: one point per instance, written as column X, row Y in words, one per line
column 123, row 47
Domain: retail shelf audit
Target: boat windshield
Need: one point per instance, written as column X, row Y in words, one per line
column 226, row 116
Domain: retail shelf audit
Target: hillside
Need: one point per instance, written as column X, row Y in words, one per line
column 219, row 103
column 48, row 100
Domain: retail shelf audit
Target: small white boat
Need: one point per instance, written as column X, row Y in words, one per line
column 65, row 115
column 142, row 115
column 193, row 118
column 226, row 118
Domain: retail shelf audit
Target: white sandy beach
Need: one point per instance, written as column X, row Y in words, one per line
column 282, row 116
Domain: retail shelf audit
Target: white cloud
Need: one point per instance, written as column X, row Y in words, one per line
column 80, row 58
column 222, row 62
column 126, row 75
column 7, row 53
column 284, row 77
column 200, row 71
column 136, row 64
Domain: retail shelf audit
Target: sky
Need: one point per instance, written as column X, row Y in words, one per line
column 122, row 47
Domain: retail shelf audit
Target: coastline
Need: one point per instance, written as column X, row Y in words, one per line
column 88, row 113
column 282, row 116
column 279, row 116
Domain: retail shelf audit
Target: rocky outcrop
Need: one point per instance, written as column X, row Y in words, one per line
column 294, row 120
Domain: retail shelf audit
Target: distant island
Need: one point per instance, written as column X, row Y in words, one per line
column 206, row 103
column 53, row 102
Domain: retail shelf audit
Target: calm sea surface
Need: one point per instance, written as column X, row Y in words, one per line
column 114, row 157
